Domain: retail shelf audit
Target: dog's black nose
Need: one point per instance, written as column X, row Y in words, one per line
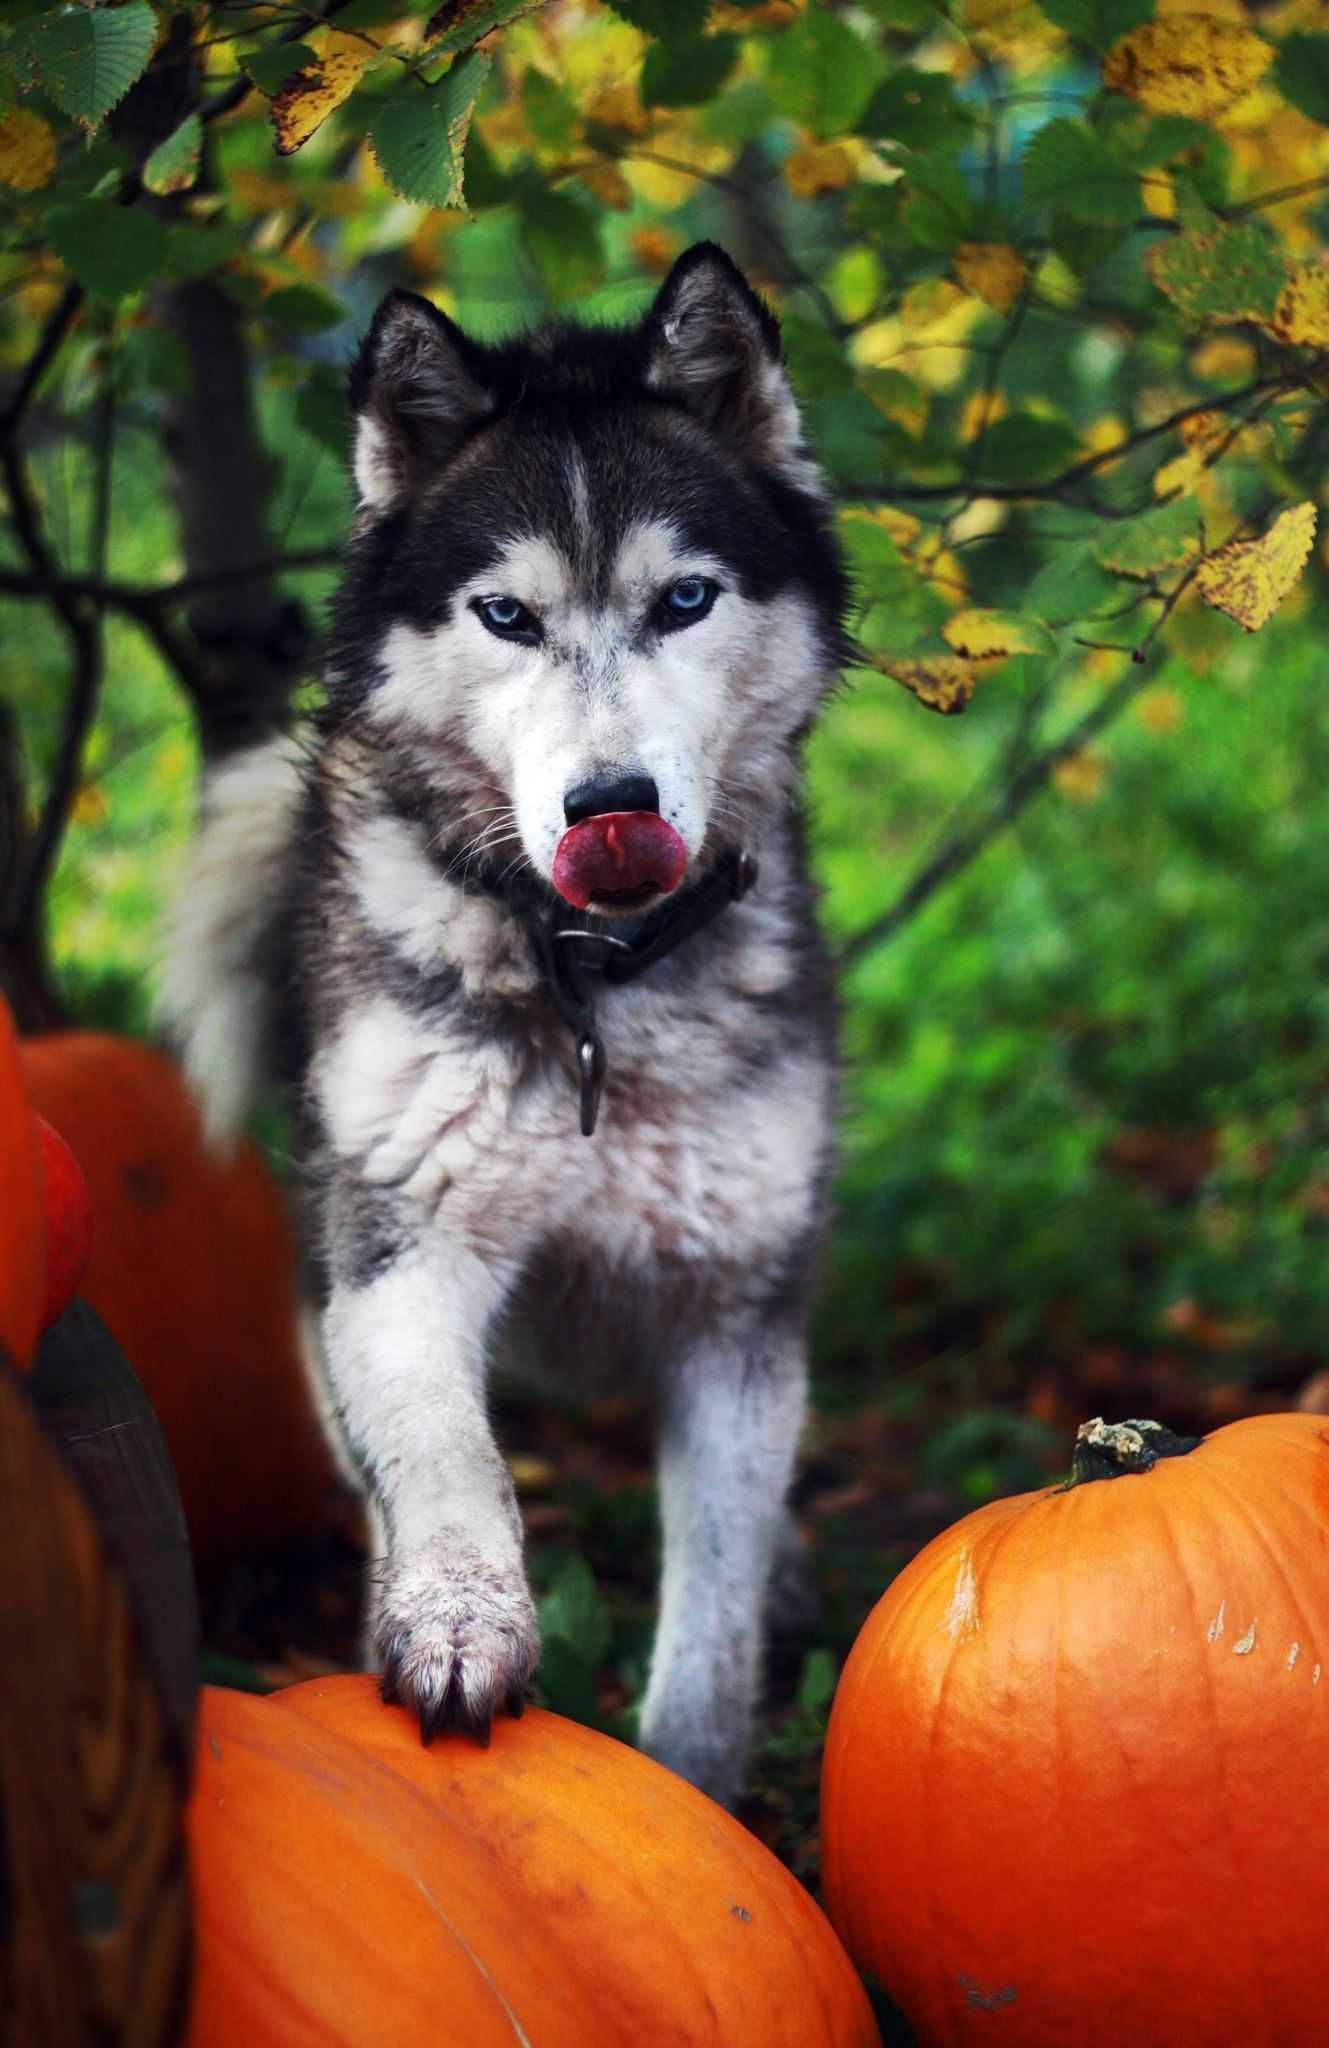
column 610, row 793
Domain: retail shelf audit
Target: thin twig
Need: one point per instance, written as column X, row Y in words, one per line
column 140, row 599
column 57, row 327
column 963, row 847
column 1058, row 486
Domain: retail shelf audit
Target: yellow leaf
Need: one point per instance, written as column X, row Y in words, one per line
column 306, row 100
column 941, row 681
column 1248, row 579
column 1159, row 195
column 1203, row 430
column 1301, row 312
column 1107, row 431
column 978, row 412
column 655, row 249
column 903, row 527
column 1191, row 64
column 817, row 168
column 1080, row 775
column 1160, row 711
column 617, row 106
column 607, row 182
column 983, row 634
column 89, row 805
column 994, row 271
column 27, row 151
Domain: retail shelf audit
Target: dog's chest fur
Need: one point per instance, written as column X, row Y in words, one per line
column 443, row 1085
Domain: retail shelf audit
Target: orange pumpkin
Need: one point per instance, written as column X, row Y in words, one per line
column 352, row 1888
column 1076, row 1781
column 22, row 1226
column 193, row 1270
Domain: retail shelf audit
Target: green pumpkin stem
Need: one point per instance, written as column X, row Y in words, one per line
column 1105, row 1450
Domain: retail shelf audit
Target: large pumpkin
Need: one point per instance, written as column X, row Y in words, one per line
column 353, row 1888
column 193, row 1270
column 1076, row 1781
column 22, row 1228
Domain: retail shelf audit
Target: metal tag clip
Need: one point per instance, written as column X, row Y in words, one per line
column 591, row 1064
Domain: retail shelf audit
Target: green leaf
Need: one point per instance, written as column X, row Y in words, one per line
column 878, row 572
column 271, row 66
column 685, row 74
column 458, row 24
column 566, row 1683
column 918, row 109
column 173, row 165
column 303, row 308
column 1141, row 142
column 193, row 251
column 938, row 207
column 816, row 357
column 86, row 58
column 321, row 410
column 486, row 184
column 112, row 250
column 1097, row 22
column 574, row 1613
column 665, row 18
column 849, row 434
column 550, row 112
column 816, row 1681
column 563, row 240
column 1068, row 168
column 1227, row 273
column 1301, row 73
column 419, row 135
column 1023, row 447
column 1073, row 585
column 1165, row 537
column 822, row 74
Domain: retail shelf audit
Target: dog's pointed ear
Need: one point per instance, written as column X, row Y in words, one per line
column 417, row 389
column 714, row 346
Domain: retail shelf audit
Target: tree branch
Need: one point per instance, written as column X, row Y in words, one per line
column 963, row 847
column 62, row 318
column 1079, row 472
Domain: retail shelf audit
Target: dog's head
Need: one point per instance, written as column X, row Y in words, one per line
column 593, row 582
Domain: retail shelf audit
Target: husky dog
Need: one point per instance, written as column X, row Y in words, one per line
column 503, row 895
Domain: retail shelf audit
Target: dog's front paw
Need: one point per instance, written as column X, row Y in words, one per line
column 456, row 1637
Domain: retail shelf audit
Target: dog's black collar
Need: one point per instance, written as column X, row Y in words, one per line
column 569, row 956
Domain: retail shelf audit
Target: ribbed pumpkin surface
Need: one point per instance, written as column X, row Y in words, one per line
column 1076, row 1782
column 353, row 1888
column 22, row 1226
column 192, row 1268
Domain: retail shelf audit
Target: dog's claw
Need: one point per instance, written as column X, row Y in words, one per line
column 455, row 1648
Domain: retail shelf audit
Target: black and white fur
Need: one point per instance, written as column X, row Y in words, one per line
column 366, row 878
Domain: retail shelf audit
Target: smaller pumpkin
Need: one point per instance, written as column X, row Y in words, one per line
column 192, row 1268
column 1075, row 1783
column 22, row 1206
column 68, row 1221
column 353, row 1888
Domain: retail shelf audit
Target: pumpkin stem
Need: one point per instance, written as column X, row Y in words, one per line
column 1104, row 1450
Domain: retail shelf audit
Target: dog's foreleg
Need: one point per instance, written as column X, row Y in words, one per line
column 732, row 1412
column 451, row 1619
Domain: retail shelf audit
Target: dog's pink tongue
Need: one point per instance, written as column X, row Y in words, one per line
column 616, row 853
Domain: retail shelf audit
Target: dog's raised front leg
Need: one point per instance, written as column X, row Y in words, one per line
column 731, row 1416
column 451, row 1619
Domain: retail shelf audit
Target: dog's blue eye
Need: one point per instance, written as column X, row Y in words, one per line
column 507, row 618
column 688, row 600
